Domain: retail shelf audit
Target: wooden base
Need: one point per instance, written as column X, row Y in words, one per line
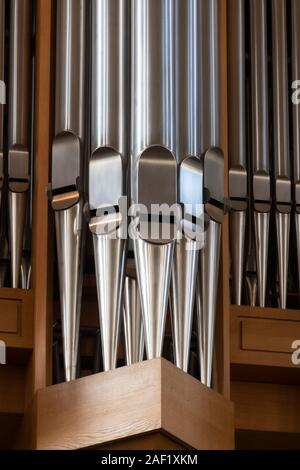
column 150, row 405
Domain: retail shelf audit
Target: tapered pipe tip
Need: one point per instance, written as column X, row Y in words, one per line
column 237, row 222
column 261, row 225
column 207, row 293
column 17, row 205
column 133, row 322
column 283, row 241
column 153, row 263
column 69, row 241
column 109, row 255
column 183, row 286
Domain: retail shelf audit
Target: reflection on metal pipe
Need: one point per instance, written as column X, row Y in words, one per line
column 207, row 300
column 153, row 164
column 67, row 169
column 19, row 129
column 133, row 323
column 188, row 152
column 260, row 141
column 2, row 52
column 237, row 142
column 213, row 182
column 108, row 163
column 295, row 12
column 281, row 142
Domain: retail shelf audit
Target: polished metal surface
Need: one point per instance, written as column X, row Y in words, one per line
column 153, row 165
column 295, row 12
column 237, row 142
column 188, row 153
column 18, row 128
column 237, row 221
column 211, row 69
column 109, row 263
column 26, row 271
column 109, row 158
column 251, row 289
column 2, row 58
column 260, row 140
column 211, row 118
column 283, row 241
column 153, row 154
column 69, row 237
column 68, row 151
column 182, row 297
column 282, row 170
column 207, row 299
column 153, row 264
column 261, row 226
column 17, row 203
column 133, row 322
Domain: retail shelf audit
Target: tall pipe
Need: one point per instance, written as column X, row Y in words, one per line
column 190, row 172
column 3, row 240
column 238, row 190
column 153, row 163
column 68, row 152
column 214, row 184
column 260, row 141
column 133, row 322
column 18, row 129
column 296, row 121
column 108, row 162
column 282, row 169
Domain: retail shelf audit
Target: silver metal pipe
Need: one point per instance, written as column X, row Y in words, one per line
column 108, row 162
column 238, row 191
column 213, row 182
column 133, row 322
column 190, row 168
column 68, row 168
column 153, row 164
column 207, row 299
column 282, row 169
column 3, row 238
column 296, row 121
column 18, row 129
column 260, row 141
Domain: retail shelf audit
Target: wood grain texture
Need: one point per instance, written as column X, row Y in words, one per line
column 151, row 396
column 263, row 336
column 41, row 236
column 266, row 407
column 193, row 413
column 12, row 389
column 151, row 441
column 16, row 318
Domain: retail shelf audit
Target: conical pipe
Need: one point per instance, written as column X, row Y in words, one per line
column 282, row 170
column 153, row 158
column 18, row 127
column 109, row 161
column 68, row 165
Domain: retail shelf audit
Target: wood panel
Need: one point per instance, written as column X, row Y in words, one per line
column 266, row 407
column 16, row 318
column 42, row 238
column 130, row 401
column 263, row 336
column 12, row 389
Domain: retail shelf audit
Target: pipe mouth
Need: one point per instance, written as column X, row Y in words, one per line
column 157, row 232
column 65, row 200
column 107, row 224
